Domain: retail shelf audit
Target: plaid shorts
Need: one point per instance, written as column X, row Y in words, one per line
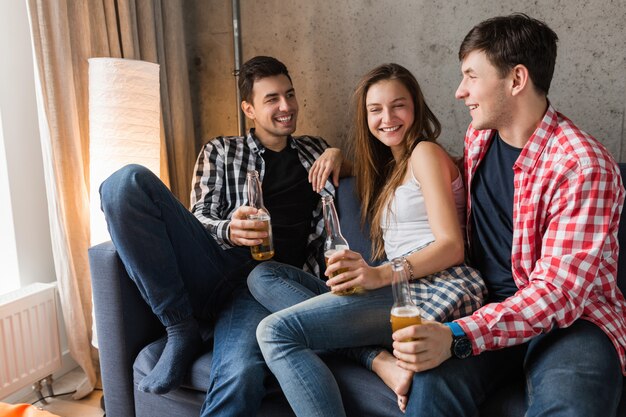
column 449, row 294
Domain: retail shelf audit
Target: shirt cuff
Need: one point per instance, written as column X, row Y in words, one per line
column 220, row 230
column 472, row 327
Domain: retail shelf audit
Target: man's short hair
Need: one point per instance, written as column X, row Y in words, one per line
column 516, row 39
column 256, row 68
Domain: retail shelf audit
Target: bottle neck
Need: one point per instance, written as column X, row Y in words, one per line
column 255, row 192
column 331, row 220
column 400, row 284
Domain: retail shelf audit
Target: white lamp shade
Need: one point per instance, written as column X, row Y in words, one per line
column 124, row 125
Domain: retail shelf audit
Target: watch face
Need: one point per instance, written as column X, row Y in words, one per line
column 462, row 348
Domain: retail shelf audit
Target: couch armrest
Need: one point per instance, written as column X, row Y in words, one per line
column 125, row 324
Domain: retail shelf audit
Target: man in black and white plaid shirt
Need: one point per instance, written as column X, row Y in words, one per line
column 194, row 266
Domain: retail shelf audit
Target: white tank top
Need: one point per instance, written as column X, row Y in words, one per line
column 405, row 226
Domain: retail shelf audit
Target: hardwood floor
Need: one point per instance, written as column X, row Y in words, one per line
column 64, row 406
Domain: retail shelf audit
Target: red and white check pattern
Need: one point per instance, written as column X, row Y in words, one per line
column 566, row 209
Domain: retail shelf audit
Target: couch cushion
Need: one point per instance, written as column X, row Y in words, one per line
column 352, row 378
column 349, row 210
column 191, row 394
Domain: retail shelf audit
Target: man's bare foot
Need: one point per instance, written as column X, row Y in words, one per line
column 396, row 378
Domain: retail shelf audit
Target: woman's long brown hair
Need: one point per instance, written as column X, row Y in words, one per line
column 377, row 173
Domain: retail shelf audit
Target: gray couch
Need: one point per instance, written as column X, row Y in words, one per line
column 129, row 337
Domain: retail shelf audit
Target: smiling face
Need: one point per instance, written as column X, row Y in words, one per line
column 390, row 113
column 274, row 108
column 484, row 92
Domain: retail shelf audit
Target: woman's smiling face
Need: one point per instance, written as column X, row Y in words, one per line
column 390, row 112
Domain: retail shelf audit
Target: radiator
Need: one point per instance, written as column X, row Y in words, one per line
column 29, row 337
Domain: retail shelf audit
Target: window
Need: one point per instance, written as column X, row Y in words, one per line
column 9, row 274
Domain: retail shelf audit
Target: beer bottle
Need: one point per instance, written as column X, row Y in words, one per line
column 334, row 239
column 404, row 312
column 265, row 250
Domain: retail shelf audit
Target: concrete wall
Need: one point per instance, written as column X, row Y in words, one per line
column 327, row 45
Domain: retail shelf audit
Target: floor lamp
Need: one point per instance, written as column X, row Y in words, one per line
column 124, row 128
column 124, row 125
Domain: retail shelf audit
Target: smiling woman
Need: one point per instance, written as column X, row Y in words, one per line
column 390, row 113
column 415, row 211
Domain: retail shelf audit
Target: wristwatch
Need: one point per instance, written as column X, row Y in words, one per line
column 461, row 346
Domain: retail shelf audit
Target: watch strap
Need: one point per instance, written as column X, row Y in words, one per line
column 457, row 331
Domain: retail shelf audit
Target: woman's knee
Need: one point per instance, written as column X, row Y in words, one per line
column 273, row 331
column 266, row 331
column 261, row 274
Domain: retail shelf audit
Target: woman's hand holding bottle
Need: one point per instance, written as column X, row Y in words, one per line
column 347, row 269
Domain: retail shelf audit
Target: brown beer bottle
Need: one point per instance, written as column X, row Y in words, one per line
column 404, row 312
column 334, row 239
column 255, row 199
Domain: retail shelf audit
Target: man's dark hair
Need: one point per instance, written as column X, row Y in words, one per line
column 256, row 68
column 516, row 39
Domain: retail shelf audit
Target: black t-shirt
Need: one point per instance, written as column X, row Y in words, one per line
column 290, row 200
column 492, row 218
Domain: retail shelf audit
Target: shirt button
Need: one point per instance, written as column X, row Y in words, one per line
column 483, row 347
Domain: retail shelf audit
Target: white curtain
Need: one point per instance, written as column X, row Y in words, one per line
column 65, row 34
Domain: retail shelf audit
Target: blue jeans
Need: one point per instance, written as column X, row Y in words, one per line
column 568, row 372
column 238, row 370
column 181, row 272
column 289, row 337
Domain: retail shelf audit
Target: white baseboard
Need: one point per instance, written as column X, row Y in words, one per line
column 67, row 364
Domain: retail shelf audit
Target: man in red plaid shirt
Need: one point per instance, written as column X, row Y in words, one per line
column 544, row 201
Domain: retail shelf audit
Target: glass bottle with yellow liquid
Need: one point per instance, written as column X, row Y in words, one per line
column 334, row 239
column 265, row 250
column 404, row 312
